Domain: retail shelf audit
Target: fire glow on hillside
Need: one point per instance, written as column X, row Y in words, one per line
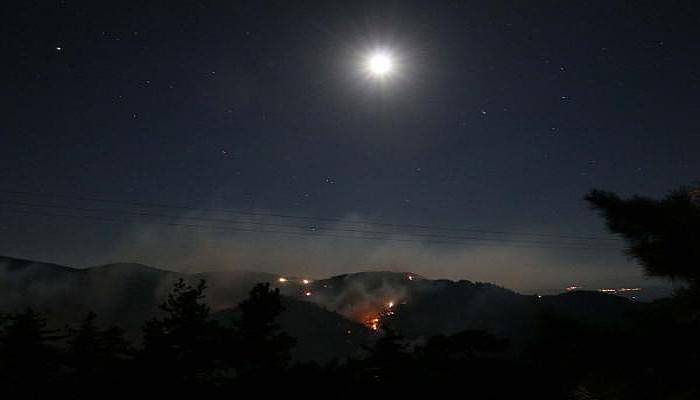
column 373, row 321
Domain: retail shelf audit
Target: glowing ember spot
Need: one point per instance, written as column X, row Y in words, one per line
column 305, row 281
column 572, row 288
column 307, row 294
column 373, row 320
column 282, row 279
column 374, row 324
column 410, row 277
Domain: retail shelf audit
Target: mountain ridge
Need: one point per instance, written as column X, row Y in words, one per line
column 334, row 315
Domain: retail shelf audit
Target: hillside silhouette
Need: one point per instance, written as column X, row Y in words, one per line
column 428, row 332
column 127, row 294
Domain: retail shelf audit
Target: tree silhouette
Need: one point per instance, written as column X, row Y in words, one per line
column 663, row 235
column 582, row 393
column 28, row 358
column 465, row 345
column 262, row 348
column 183, row 346
column 4, row 319
column 388, row 361
column 471, row 357
column 95, row 355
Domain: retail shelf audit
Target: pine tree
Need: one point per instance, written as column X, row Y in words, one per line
column 184, row 345
column 388, row 360
column 96, row 355
column 28, row 358
column 262, row 348
column 663, row 235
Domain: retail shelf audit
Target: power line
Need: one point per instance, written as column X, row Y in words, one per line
column 302, row 227
column 295, row 233
column 301, row 217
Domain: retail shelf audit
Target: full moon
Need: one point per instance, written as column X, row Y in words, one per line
column 380, row 64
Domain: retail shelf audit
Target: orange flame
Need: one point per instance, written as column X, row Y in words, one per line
column 373, row 320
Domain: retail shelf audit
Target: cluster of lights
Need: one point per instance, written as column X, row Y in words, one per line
column 282, row 279
column 620, row 290
column 606, row 290
column 307, row 293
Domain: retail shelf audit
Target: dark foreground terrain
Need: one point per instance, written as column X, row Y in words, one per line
column 120, row 326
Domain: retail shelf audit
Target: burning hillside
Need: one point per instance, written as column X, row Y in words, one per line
column 374, row 320
column 367, row 298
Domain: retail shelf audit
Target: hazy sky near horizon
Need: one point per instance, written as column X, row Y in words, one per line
column 498, row 117
column 521, row 266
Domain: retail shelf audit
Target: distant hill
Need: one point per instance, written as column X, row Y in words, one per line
column 418, row 307
column 124, row 293
column 330, row 317
column 321, row 335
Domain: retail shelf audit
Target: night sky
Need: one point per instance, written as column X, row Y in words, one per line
column 497, row 120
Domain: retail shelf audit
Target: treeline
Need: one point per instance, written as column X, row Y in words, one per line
column 185, row 351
